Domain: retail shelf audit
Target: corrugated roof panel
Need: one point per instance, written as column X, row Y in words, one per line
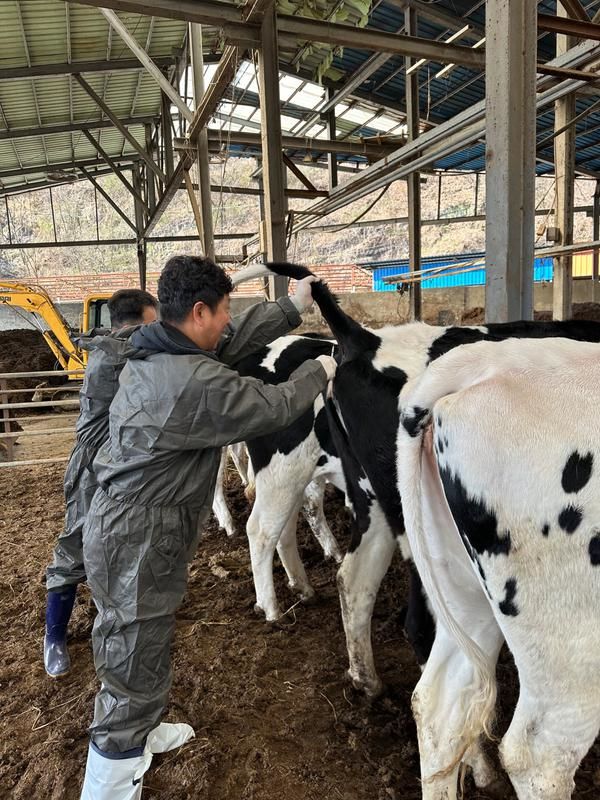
column 44, row 25
column 12, row 52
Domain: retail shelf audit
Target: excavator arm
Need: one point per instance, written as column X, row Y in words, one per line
column 56, row 332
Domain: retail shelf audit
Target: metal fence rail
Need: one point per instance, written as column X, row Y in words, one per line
column 9, row 404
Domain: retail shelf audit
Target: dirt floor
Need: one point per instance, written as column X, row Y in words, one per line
column 273, row 714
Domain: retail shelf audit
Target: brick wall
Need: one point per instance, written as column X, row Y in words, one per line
column 65, row 288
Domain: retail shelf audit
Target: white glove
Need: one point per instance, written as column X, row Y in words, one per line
column 329, row 364
column 303, row 298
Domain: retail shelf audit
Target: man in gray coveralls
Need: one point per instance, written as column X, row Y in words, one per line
column 127, row 308
column 179, row 401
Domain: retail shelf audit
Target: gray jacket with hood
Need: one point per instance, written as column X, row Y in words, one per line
column 108, row 353
column 176, row 406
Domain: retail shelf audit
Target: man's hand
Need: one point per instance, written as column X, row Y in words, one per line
column 303, row 298
column 329, row 364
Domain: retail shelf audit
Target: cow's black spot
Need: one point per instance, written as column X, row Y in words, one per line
column 569, row 518
column 438, row 422
column 546, row 530
column 594, row 550
column 445, row 441
column 411, row 422
column 322, row 461
column 440, row 445
column 367, row 400
column 323, row 433
column 262, row 449
column 419, row 625
column 481, row 571
column 577, row 472
column 475, row 521
column 395, row 374
column 507, row 606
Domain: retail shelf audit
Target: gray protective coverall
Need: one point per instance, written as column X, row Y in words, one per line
column 100, row 385
column 176, row 407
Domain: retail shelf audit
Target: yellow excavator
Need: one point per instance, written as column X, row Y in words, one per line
column 55, row 329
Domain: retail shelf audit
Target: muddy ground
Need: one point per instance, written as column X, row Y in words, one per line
column 273, row 714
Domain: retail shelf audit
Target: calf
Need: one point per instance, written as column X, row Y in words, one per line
column 290, row 470
column 498, row 457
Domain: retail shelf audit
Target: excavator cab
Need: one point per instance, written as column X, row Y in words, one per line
column 95, row 312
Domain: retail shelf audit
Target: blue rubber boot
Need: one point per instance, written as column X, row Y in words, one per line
column 58, row 614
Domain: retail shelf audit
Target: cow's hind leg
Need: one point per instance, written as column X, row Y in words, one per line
column 287, row 549
column 555, row 723
column 441, row 703
column 220, row 507
column 315, row 516
column 359, row 579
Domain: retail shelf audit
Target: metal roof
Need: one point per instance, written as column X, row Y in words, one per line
column 42, row 33
column 38, row 33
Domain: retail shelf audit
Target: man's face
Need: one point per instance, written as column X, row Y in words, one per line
column 149, row 314
column 211, row 324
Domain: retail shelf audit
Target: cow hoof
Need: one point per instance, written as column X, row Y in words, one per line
column 260, row 612
column 371, row 688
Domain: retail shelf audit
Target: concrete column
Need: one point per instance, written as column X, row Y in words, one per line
column 511, row 46
column 564, row 161
column 413, row 180
column 205, row 204
column 273, row 168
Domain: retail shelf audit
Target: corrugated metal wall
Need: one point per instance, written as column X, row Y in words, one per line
column 543, row 270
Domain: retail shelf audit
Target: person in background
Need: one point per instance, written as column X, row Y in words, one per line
column 128, row 309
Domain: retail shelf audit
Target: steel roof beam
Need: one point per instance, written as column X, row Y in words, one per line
column 449, row 137
column 148, row 63
column 291, row 29
column 108, row 198
column 42, row 169
column 68, row 127
column 115, row 168
column 51, row 70
column 302, row 143
column 569, row 27
column 575, row 10
column 120, row 126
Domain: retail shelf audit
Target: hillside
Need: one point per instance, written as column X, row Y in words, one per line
column 74, row 209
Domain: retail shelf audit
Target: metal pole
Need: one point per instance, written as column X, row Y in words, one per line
column 4, row 401
column 8, row 220
column 564, row 160
column 53, row 217
column 511, row 29
column 205, row 205
column 145, row 59
column 140, row 225
column 150, row 175
column 413, row 180
column 595, row 237
column 273, row 169
column 167, row 136
column 332, row 132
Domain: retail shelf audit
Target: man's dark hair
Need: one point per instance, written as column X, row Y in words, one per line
column 187, row 280
column 126, row 307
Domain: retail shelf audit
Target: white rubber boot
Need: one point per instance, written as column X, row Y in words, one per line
column 121, row 778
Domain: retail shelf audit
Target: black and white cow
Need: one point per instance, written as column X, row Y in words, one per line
column 498, row 469
column 373, row 368
column 290, row 469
